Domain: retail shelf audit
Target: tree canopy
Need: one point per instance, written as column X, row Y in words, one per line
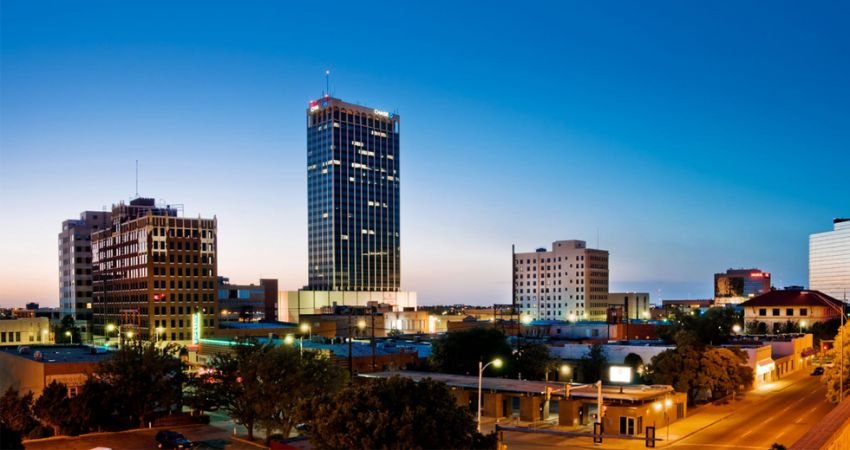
column 146, row 379
column 394, row 413
column 263, row 385
column 592, row 365
column 459, row 352
column 832, row 376
column 712, row 327
column 700, row 370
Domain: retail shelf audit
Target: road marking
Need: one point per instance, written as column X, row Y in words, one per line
column 718, row 445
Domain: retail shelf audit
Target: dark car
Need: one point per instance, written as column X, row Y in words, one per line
column 172, row 439
column 818, row 371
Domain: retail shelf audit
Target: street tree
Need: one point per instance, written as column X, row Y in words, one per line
column 700, row 370
column 833, row 376
column 66, row 326
column 16, row 412
column 394, row 413
column 460, row 352
column 53, row 407
column 263, row 385
column 592, row 365
column 534, row 362
column 148, row 379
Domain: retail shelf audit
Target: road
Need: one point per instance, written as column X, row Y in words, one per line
column 781, row 412
column 765, row 417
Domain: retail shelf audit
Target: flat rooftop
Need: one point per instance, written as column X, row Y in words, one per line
column 57, row 354
column 610, row 392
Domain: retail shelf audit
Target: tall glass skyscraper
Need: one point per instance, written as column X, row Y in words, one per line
column 829, row 261
column 353, row 197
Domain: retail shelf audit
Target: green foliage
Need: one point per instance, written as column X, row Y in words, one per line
column 10, row 439
column 696, row 369
column 16, row 412
column 833, row 376
column 636, row 363
column 824, row 331
column 460, row 352
column 263, row 385
column 96, row 407
column 534, row 362
column 145, row 378
column 67, row 324
column 592, row 365
column 394, row 413
column 53, row 407
column 712, row 327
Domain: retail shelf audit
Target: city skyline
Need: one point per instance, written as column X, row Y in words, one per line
column 681, row 150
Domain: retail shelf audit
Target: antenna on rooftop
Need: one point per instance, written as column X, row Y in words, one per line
column 328, row 82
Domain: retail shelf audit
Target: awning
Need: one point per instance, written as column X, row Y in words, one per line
column 764, row 366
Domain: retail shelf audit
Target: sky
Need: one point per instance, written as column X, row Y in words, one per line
column 684, row 138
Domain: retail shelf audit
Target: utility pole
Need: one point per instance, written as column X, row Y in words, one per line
column 374, row 308
column 350, row 358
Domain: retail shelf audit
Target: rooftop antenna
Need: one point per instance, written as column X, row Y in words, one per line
column 137, row 178
column 328, row 82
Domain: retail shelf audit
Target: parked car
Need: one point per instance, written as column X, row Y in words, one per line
column 818, row 371
column 172, row 439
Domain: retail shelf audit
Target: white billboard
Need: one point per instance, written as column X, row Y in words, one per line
column 620, row 374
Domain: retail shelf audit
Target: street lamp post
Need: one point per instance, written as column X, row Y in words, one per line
column 667, row 403
column 70, row 335
column 481, row 366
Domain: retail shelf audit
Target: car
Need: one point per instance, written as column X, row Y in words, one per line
column 818, row 371
column 172, row 439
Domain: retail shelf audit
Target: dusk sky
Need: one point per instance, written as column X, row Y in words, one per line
column 689, row 139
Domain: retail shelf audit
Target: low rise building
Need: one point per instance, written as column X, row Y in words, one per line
column 799, row 306
column 292, row 304
column 247, row 302
column 628, row 409
column 25, row 331
column 31, row 368
column 632, row 305
column 590, row 330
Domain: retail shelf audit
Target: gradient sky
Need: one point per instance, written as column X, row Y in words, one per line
column 689, row 138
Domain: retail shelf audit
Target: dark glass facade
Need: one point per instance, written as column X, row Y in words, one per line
column 353, row 197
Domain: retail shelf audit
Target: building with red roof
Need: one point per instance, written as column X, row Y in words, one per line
column 801, row 306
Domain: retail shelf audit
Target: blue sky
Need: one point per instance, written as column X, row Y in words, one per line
column 690, row 138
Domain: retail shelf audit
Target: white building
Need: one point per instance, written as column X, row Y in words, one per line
column 560, row 284
column 294, row 303
column 75, row 266
column 829, row 261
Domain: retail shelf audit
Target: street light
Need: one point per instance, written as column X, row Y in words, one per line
column 159, row 331
column 306, row 328
column 481, row 366
column 565, row 370
column 736, row 328
column 130, row 335
column 70, row 335
column 667, row 404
